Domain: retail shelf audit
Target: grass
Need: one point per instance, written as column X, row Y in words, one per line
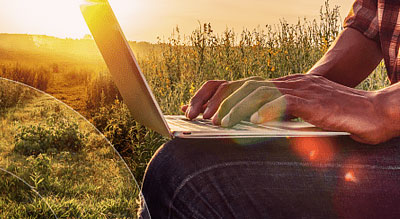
column 34, row 76
column 64, row 159
column 11, row 95
column 86, row 179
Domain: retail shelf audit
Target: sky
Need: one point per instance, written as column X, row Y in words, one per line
column 145, row 20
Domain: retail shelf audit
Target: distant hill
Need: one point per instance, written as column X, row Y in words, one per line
column 40, row 48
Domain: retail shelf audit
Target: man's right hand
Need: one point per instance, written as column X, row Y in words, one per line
column 209, row 97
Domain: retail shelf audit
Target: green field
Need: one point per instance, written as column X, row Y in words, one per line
column 74, row 169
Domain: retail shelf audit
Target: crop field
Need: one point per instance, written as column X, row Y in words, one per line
column 64, row 165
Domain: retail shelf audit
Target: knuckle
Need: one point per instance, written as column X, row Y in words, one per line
column 223, row 90
column 209, row 83
column 260, row 90
column 316, row 76
column 251, row 84
column 212, row 83
column 256, row 78
column 311, row 86
column 263, row 91
column 289, row 101
column 288, row 98
column 293, row 76
column 225, row 86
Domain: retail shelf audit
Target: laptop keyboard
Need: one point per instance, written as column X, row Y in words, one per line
column 195, row 125
column 245, row 128
column 199, row 124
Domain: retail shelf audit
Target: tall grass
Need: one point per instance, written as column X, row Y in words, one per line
column 12, row 94
column 34, row 76
column 101, row 91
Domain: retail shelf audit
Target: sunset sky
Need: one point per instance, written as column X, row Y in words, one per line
column 144, row 20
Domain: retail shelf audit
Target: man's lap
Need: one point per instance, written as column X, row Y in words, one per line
column 298, row 177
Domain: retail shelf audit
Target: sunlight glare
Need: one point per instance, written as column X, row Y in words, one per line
column 62, row 18
column 314, row 150
column 313, row 154
column 350, row 177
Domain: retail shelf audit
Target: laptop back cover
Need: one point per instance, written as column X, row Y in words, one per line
column 123, row 66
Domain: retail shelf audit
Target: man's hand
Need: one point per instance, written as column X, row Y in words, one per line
column 208, row 98
column 315, row 99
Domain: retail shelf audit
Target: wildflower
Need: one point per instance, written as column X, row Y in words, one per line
column 192, row 89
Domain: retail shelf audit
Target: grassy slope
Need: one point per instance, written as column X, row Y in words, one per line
column 90, row 183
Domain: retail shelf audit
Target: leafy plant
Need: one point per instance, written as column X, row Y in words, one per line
column 57, row 134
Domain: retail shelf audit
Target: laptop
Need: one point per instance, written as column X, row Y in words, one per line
column 140, row 100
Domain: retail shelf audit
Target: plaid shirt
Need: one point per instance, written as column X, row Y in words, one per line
column 379, row 20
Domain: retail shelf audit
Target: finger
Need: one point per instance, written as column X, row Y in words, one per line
column 245, row 90
column 201, row 97
column 284, row 105
column 249, row 105
column 220, row 95
column 184, row 108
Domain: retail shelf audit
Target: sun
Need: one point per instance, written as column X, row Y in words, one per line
column 60, row 18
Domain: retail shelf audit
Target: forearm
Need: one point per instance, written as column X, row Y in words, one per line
column 349, row 60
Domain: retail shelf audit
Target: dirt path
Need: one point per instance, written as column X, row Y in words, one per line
column 70, row 92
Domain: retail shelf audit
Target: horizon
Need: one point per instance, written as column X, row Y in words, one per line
column 145, row 21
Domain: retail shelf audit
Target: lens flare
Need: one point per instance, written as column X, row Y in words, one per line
column 314, row 150
column 313, row 154
column 350, row 177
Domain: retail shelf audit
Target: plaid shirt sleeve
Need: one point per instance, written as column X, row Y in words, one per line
column 363, row 17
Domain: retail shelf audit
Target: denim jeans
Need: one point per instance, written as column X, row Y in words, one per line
column 273, row 178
